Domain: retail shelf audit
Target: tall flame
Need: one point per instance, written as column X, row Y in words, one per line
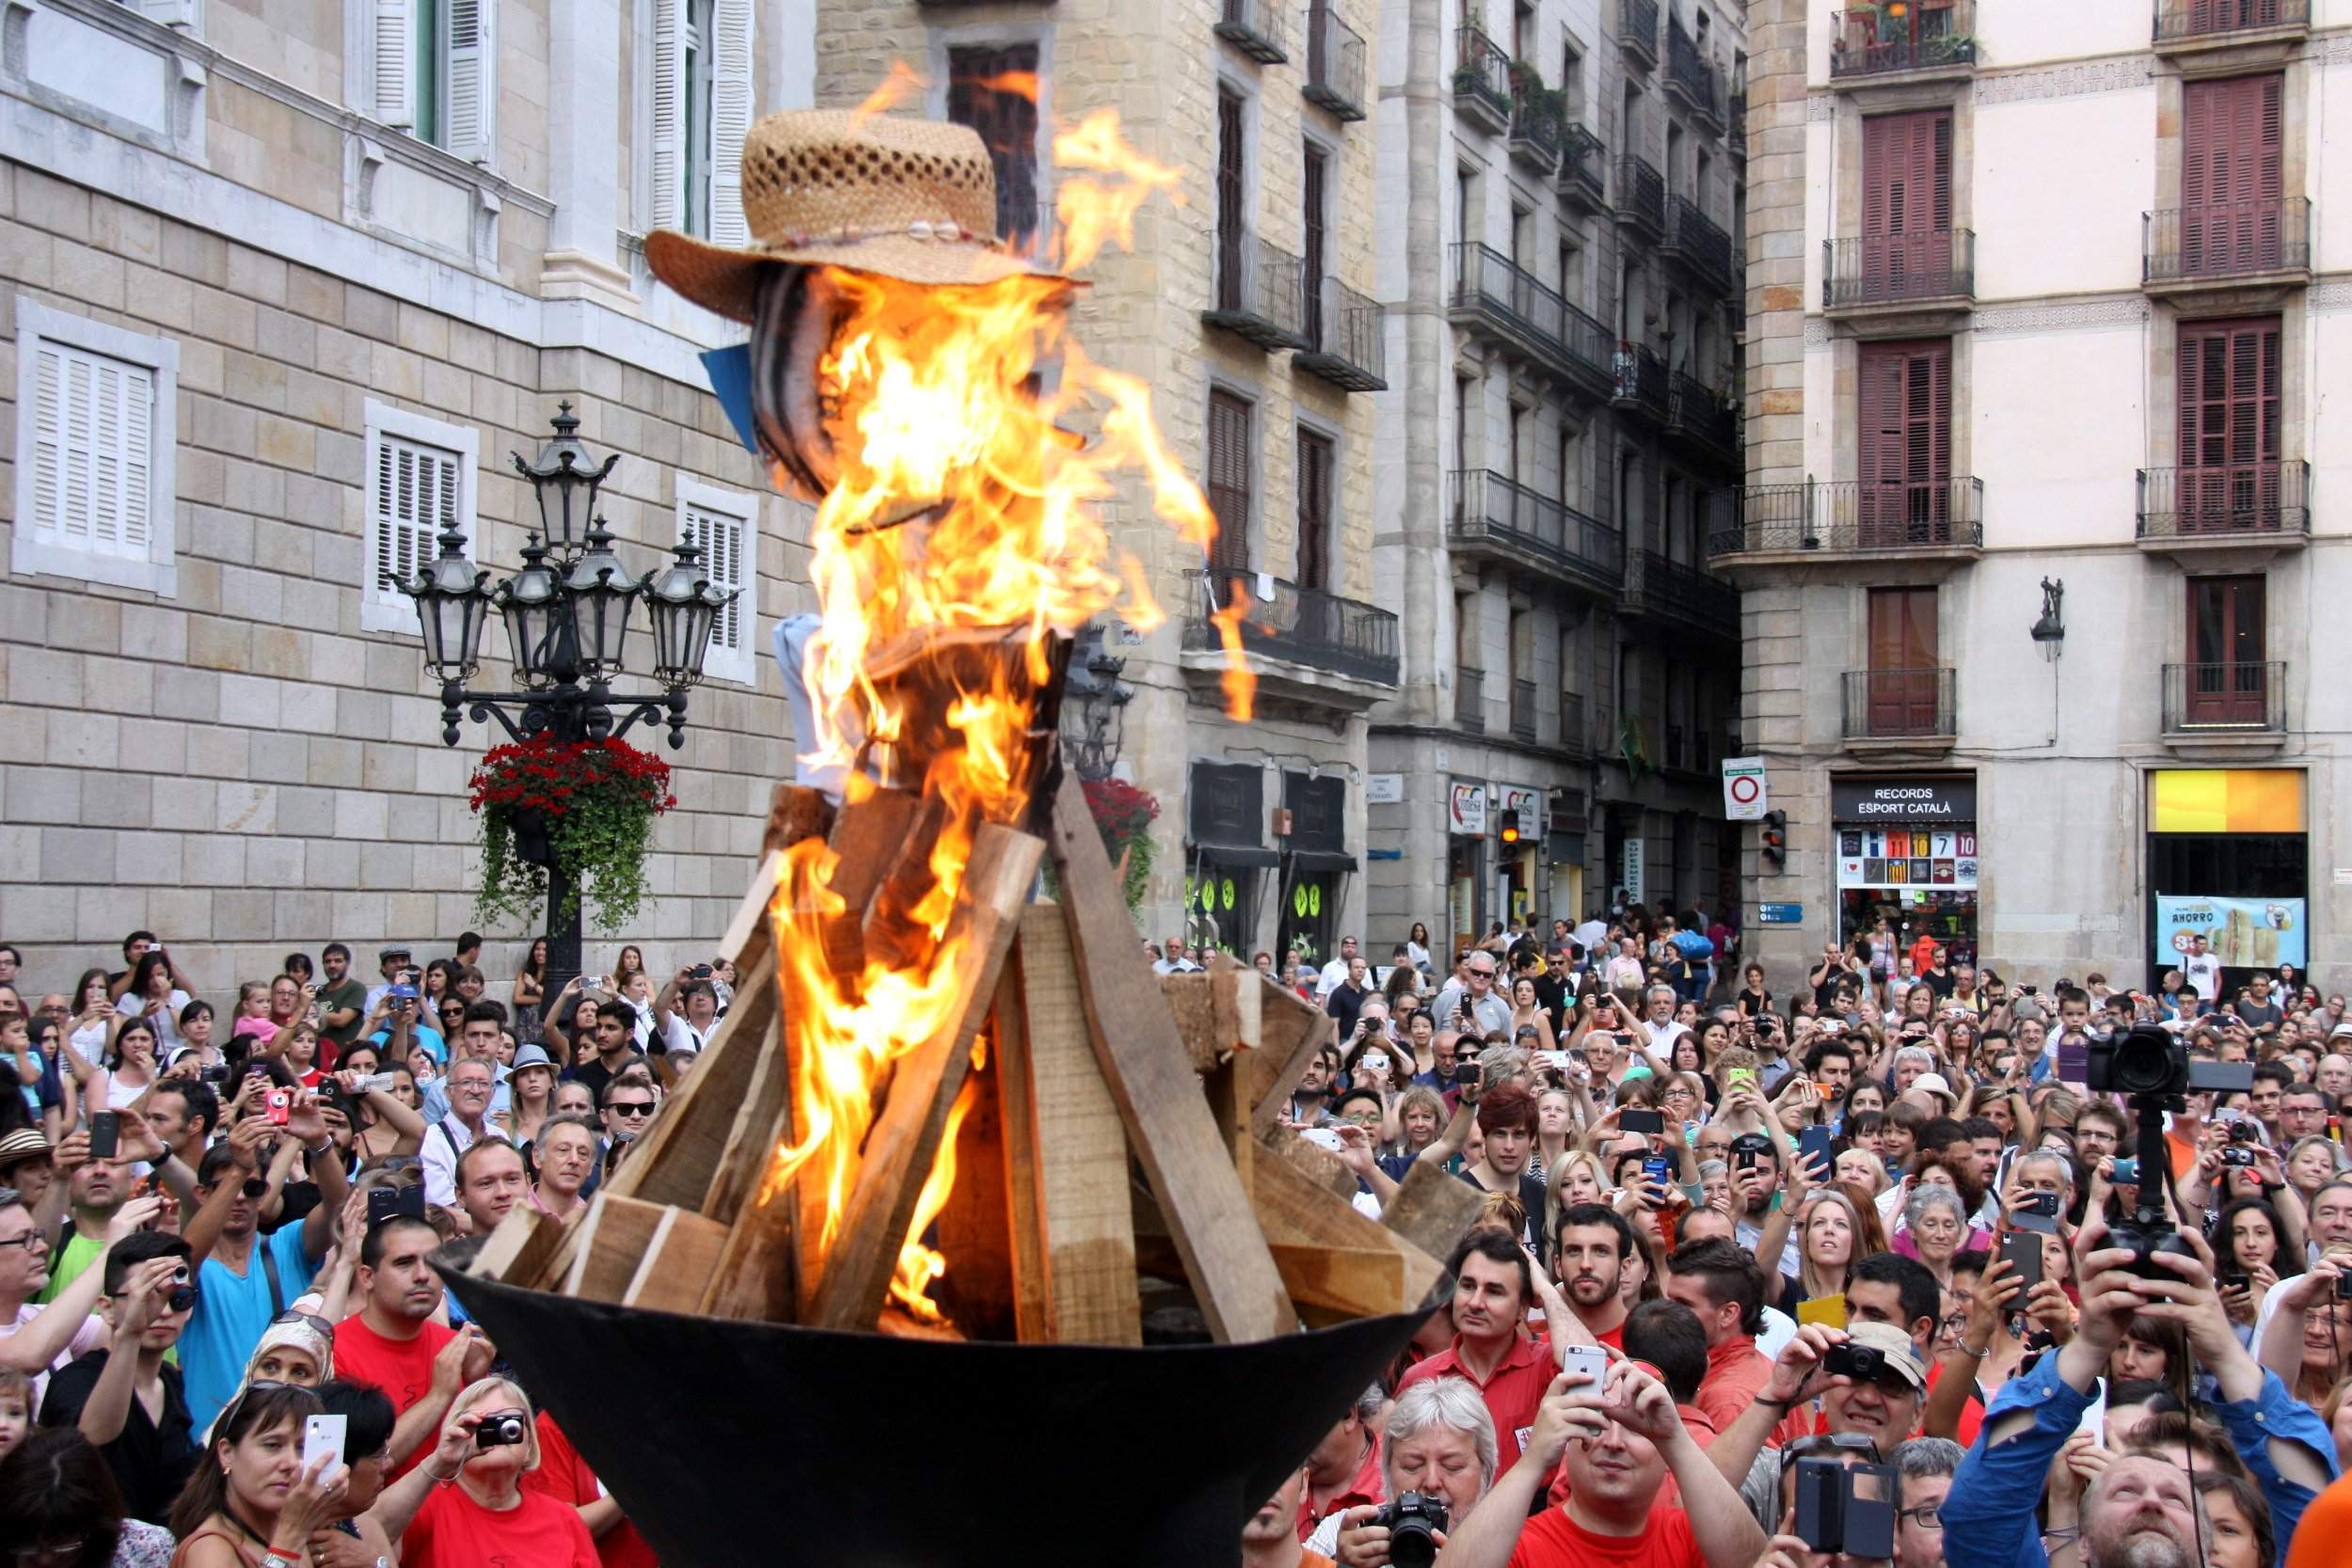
column 962, row 507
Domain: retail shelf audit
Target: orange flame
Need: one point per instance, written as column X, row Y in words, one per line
column 964, row 515
column 903, row 82
column 1092, row 213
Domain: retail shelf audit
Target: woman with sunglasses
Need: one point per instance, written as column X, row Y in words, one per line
column 383, row 1121
column 465, row 1505
column 252, row 1498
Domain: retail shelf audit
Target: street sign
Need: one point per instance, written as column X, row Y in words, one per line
column 1383, row 789
column 1630, row 871
column 1781, row 914
column 1744, row 794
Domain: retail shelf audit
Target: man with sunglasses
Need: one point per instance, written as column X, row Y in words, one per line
column 245, row 1278
column 127, row 1401
column 628, row 1108
column 1476, row 1007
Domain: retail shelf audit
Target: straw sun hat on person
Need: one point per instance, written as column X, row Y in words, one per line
column 914, row 200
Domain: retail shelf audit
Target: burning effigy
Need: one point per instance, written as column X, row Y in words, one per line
column 956, row 1153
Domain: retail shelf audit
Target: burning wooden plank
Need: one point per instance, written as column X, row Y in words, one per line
column 685, row 1151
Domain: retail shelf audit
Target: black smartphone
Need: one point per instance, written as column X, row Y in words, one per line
column 2021, row 1251
column 1466, row 1075
column 2229, row 1279
column 384, row 1203
column 2045, row 1204
column 105, row 1133
column 1635, row 1119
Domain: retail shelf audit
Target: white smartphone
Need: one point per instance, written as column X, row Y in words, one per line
column 323, row 1434
column 1591, row 1360
column 1324, row 1136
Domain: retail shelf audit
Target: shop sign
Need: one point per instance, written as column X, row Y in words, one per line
column 2244, row 933
column 1629, row 872
column 1746, row 797
column 1383, row 789
column 1903, row 800
column 1529, row 803
column 1907, row 858
column 1466, row 810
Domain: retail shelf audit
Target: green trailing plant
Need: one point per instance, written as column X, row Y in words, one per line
column 587, row 806
column 1123, row 815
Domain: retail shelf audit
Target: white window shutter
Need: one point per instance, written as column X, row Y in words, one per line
column 469, row 79
column 721, row 540
column 669, row 114
column 730, row 118
column 93, row 424
column 416, row 497
column 395, row 62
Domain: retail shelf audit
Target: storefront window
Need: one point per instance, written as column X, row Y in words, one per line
column 1907, row 865
column 2227, row 876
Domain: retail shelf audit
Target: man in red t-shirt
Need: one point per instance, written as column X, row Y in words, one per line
column 1721, row 1283
column 1617, row 1443
column 1344, row 1469
column 1493, row 1284
column 393, row 1342
column 564, row 1476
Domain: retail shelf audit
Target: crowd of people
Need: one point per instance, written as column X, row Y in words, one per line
column 223, row 1342
column 1855, row 1266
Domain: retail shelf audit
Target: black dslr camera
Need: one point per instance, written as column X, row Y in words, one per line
column 1860, row 1362
column 2147, row 1234
column 2153, row 1061
column 499, row 1431
column 1411, row 1521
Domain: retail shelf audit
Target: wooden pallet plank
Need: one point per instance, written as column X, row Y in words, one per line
column 677, row 1264
column 1291, row 1031
column 762, row 1125
column 610, row 1240
column 682, row 1152
column 904, row 1140
column 1433, row 1209
column 1295, row 1211
column 1188, row 997
column 1169, row 1124
column 749, row 934
column 520, row 1250
column 1329, row 1283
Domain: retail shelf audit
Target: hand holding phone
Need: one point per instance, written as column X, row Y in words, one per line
column 324, row 1436
column 105, row 1133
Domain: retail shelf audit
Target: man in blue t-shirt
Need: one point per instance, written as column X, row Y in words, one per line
column 245, row 1278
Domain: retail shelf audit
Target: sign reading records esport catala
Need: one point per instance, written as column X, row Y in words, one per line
column 1903, row 800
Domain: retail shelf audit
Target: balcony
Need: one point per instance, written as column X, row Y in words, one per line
column 2240, row 244
column 1670, row 590
column 2225, row 707
column 1254, row 28
column 1308, row 647
column 1495, row 295
column 1482, row 80
column 1689, row 79
column 2258, row 509
column 1344, row 345
column 1639, row 384
column 1583, row 179
column 1490, row 516
column 1637, row 31
column 1539, row 120
column 1872, row 275
column 1875, row 43
column 1933, row 519
column 2185, row 25
column 1900, row 709
column 1701, row 418
column 1641, row 196
column 1699, row 244
column 1260, row 292
column 1523, row 710
column 1469, row 699
column 1335, row 64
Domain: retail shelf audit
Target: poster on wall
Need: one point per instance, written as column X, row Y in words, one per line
column 2244, row 933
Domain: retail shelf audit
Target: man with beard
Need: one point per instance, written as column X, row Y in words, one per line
column 2140, row 1511
column 1756, row 1159
column 1493, row 1287
column 1594, row 1241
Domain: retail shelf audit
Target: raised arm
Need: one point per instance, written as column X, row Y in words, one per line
column 108, row 1407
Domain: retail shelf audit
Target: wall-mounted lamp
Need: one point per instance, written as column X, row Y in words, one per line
column 2049, row 633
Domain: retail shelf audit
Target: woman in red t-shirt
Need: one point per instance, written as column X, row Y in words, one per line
column 466, row 1506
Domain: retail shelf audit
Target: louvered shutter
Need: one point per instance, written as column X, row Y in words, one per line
column 1230, row 185
column 1311, row 199
column 416, row 497
column 720, row 538
column 1315, row 510
column 730, row 116
column 2229, row 377
column 1906, row 204
column 92, row 447
column 2232, row 141
column 1877, row 397
column 668, row 208
column 1228, row 481
column 470, row 84
column 393, row 57
column 994, row 92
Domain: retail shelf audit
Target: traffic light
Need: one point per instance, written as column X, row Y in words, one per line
column 1510, row 827
column 1775, row 840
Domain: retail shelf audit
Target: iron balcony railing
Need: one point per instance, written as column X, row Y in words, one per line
column 1694, row 410
column 1346, row 345
column 2226, row 239
column 1900, row 705
column 1538, row 121
column 1688, row 593
column 1688, row 74
column 1498, row 294
column 1486, row 508
column 1573, row 734
column 1481, row 75
column 1581, row 177
column 1640, row 195
column 1335, row 63
column 2243, row 697
column 1698, row 241
column 1889, row 269
column 1299, row 625
column 2191, row 19
column 1254, row 28
column 1639, row 382
column 1637, row 29
column 1260, row 292
column 1470, row 698
column 1844, row 516
column 1876, row 40
column 2236, row 499
column 1523, row 709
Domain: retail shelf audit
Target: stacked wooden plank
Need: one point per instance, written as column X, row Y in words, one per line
column 1117, row 1123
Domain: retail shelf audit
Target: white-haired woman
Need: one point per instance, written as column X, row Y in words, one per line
column 1440, row 1439
column 1935, row 1227
column 465, row 1506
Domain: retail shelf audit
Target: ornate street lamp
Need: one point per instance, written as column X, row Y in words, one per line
column 568, row 617
column 1094, row 706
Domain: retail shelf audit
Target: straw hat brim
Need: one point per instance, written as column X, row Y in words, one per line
column 726, row 279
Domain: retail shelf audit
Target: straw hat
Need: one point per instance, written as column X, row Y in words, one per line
column 914, row 200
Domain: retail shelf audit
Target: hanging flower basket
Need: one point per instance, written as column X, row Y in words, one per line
column 1123, row 815
column 587, row 806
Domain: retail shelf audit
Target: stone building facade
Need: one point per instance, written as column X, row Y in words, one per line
column 280, row 287
column 2039, row 529
column 1561, row 200
column 1248, row 311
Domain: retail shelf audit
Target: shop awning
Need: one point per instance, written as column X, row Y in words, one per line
column 1321, row 860
column 1238, row 855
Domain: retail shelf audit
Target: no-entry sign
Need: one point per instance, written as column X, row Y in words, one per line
column 1744, row 794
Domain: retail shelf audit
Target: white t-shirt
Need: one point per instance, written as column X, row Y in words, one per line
column 678, row 1035
column 1590, row 935
column 167, row 1026
column 1333, row 972
column 444, row 1141
column 2203, row 971
column 89, row 1337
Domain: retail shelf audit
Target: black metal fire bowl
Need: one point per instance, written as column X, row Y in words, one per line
column 758, row 1443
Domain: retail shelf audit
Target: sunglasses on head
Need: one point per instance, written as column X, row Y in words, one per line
column 318, row 1325
column 1833, row 1442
